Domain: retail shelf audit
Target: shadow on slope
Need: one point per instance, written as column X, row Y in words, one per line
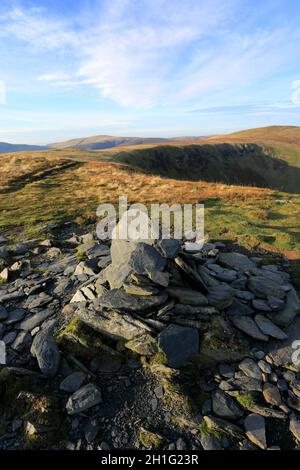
column 241, row 164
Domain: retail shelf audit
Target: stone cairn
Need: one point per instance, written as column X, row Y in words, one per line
column 174, row 304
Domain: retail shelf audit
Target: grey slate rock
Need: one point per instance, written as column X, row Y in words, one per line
column 263, row 287
column 250, row 368
column 3, row 252
column 248, row 326
column 169, row 247
column 275, row 304
column 35, row 320
column 91, row 429
column 209, row 442
column 15, row 316
column 255, row 427
column 225, row 407
column 262, row 305
column 295, row 427
column 236, row 261
column 187, row 296
column 282, row 351
column 118, row 299
column 72, row 382
column 290, row 311
column 221, row 296
column 9, row 338
column 180, row 344
column 268, row 327
column 83, row 399
column 45, row 349
column 239, row 309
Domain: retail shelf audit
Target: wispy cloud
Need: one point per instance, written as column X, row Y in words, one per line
column 36, row 28
column 203, row 56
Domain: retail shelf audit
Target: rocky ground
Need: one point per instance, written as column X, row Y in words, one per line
column 140, row 345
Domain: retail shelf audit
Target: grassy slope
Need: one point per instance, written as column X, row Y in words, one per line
column 37, row 188
column 281, row 141
column 31, row 196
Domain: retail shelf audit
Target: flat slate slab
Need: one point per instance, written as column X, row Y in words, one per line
column 236, row 261
column 119, row 299
column 248, row 326
column 268, row 327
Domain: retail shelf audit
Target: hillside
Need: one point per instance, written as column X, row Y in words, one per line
column 242, row 164
column 5, row 147
column 37, row 188
column 107, row 141
column 278, row 134
column 279, row 141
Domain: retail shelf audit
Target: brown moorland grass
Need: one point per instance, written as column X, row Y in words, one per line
column 49, row 191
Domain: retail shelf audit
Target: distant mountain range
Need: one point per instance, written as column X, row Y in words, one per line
column 6, row 148
column 98, row 142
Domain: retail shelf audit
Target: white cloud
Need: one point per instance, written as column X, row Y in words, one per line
column 36, row 28
column 146, row 53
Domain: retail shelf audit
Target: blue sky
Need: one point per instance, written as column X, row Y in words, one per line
column 146, row 67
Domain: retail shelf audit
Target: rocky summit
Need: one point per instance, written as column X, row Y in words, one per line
column 147, row 345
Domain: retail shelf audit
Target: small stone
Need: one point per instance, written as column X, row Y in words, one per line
column 159, row 392
column 282, row 385
column 236, row 261
column 255, row 427
column 226, row 371
column 45, row 349
column 262, row 305
column 209, row 442
column 32, row 322
column 180, row 444
column 104, row 446
column 263, row 287
column 268, row 327
column 15, row 316
column 225, row 407
column 275, row 304
column 91, row 429
column 221, row 296
column 250, row 368
column 154, row 404
column 295, row 428
column 259, row 354
column 244, row 295
column 288, row 375
column 9, row 338
column 265, row 367
column 83, row 399
column 271, row 394
column 239, row 309
column 248, row 326
column 72, row 382
column 292, row 308
column 4, row 275
column 78, row 297
column 22, row 341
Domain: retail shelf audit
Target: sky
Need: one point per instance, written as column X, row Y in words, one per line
column 165, row 68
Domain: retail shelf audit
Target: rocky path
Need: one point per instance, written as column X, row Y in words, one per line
column 146, row 345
